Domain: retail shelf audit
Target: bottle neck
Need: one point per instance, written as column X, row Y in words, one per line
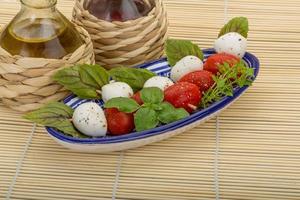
column 39, row 4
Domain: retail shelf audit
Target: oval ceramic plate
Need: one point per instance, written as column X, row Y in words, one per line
column 136, row 139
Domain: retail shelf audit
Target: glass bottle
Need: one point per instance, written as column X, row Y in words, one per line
column 40, row 30
column 118, row 10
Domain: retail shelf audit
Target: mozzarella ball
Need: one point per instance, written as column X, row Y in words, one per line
column 159, row 81
column 90, row 120
column 231, row 43
column 186, row 65
column 116, row 89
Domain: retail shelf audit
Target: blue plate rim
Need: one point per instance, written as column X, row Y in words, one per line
column 164, row 128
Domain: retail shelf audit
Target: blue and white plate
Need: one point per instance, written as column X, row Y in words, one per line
column 137, row 139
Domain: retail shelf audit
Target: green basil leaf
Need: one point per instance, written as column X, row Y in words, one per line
column 94, row 75
column 135, row 77
column 237, row 24
column 169, row 114
column 56, row 115
column 123, row 104
column 156, row 107
column 145, row 119
column 152, row 95
column 70, row 79
column 178, row 49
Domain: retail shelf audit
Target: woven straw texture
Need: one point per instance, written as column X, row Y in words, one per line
column 25, row 83
column 250, row 152
column 125, row 43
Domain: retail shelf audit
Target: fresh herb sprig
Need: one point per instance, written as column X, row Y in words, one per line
column 228, row 78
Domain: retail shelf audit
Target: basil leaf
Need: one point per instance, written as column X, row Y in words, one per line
column 169, row 114
column 94, row 75
column 145, row 118
column 70, row 79
column 152, row 95
column 123, row 104
column 237, row 24
column 178, row 49
column 155, row 107
column 56, row 115
column 135, row 77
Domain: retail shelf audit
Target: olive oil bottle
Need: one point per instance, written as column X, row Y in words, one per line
column 40, row 30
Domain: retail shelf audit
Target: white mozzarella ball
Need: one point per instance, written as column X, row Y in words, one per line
column 231, row 43
column 116, row 89
column 186, row 65
column 90, row 120
column 159, row 81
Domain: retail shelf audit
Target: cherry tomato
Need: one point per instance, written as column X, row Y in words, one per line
column 137, row 98
column 184, row 95
column 203, row 79
column 119, row 123
column 213, row 61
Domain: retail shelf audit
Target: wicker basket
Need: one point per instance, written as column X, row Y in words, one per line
column 125, row 43
column 25, row 83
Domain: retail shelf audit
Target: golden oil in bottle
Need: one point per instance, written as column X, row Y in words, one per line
column 41, row 37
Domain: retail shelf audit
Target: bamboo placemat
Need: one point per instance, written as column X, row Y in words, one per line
column 251, row 151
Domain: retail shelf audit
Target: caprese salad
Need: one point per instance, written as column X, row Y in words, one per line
column 137, row 99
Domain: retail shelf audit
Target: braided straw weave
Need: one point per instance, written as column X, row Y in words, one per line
column 25, row 83
column 125, row 43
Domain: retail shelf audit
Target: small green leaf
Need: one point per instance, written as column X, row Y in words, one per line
column 145, row 119
column 94, row 75
column 169, row 114
column 70, row 79
column 237, row 24
column 178, row 49
column 228, row 93
column 250, row 72
column 135, row 77
column 56, row 115
column 215, row 78
column 152, row 95
column 240, row 82
column 248, row 82
column 123, row 104
column 221, row 83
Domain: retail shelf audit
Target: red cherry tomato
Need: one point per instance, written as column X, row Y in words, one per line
column 183, row 95
column 203, row 79
column 213, row 61
column 119, row 123
column 137, row 98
